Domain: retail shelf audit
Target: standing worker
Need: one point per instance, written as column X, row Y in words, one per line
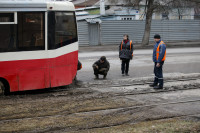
column 125, row 54
column 101, row 67
column 159, row 55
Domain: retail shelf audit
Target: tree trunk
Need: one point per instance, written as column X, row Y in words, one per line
column 149, row 13
column 179, row 14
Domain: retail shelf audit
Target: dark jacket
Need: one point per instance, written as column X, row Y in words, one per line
column 125, row 52
column 100, row 65
column 79, row 66
column 161, row 54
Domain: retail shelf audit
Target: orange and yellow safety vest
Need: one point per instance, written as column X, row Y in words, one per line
column 158, row 51
column 130, row 45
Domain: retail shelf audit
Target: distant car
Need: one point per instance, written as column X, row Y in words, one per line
column 79, row 67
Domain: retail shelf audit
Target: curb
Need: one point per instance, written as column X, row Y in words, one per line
column 136, row 46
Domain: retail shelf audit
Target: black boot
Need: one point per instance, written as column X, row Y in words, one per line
column 96, row 76
column 127, row 74
column 157, row 87
column 122, row 73
column 152, row 85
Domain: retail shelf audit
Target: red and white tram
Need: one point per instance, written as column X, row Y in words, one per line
column 38, row 44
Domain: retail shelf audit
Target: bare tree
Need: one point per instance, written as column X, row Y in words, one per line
column 180, row 7
column 152, row 6
column 162, row 6
column 149, row 12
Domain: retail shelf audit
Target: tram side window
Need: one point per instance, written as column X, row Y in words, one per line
column 31, row 31
column 26, row 35
column 62, row 29
column 7, row 17
column 7, row 33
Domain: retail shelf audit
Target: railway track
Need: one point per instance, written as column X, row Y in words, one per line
column 120, row 94
column 114, row 111
column 99, row 95
column 108, row 109
column 129, row 121
column 104, row 84
column 154, row 91
column 149, row 90
column 140, row 82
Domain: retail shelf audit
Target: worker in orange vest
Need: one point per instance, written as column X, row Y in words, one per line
column 125, row 54
column 159, row 55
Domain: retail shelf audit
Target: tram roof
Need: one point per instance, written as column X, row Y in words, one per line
column 35, row 5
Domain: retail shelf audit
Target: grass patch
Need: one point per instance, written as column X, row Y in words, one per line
column 157, row 126
column 36, row 109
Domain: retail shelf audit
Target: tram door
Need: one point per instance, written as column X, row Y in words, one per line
column 61, row 32
column 30, row 40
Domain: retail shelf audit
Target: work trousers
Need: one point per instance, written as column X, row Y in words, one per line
column 158, row 74
column 97, row 72
column 125, row 65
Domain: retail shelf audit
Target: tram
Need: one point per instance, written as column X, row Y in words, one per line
column 38, row 44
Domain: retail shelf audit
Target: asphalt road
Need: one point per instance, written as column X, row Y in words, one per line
column 178, row 60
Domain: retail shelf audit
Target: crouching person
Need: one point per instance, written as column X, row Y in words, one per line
column 101, row 67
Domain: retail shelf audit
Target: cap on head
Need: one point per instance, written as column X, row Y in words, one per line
column 156, row 36
column 103, row 58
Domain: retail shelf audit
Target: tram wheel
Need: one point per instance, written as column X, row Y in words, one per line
column 5, row 88
column 74, row 82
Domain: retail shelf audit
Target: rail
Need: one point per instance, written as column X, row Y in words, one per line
column 11, row 1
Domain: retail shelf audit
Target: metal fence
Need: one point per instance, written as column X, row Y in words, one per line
column 83, row 33
column 111, row 32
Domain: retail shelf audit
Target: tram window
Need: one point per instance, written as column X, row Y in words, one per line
column 31, row 31
column 7, row 32
column 7, row 37
column 6, row 17
column 62, row 29
column 27, row 35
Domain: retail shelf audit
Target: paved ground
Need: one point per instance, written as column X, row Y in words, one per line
column 183, row 60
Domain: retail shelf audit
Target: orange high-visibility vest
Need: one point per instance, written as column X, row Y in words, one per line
column 130, row 44
column 158, row 51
